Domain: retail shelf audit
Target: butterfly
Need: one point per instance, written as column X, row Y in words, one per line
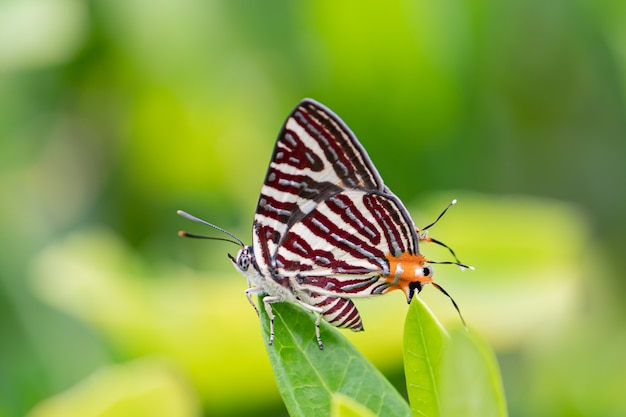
column 326, row 228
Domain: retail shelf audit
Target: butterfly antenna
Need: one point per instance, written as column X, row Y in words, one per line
column 188, row 216
column 453, row 202
column 440, row 288
column 456, row 262
column 423, row 236
column 459, row 264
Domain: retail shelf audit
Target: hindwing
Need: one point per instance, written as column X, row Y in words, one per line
column 344, row 244
column 340, row 312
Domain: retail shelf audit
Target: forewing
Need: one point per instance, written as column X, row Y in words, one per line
column 316, row 156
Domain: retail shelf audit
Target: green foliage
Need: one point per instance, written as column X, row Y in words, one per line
column 308, row 377
column 452, row 375
column 470, row 383
column 445, row 376
column 343, row 406
column 424, row 344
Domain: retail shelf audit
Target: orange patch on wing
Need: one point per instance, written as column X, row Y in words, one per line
column 405, row 269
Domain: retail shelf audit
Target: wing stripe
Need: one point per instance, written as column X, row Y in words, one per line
column 296, row 253
column 340, row 145
column 398, row 232
column 352, row 216
column 323, row 228
column 333, row 285
column 340, row 312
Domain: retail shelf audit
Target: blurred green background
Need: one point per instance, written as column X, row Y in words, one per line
column 113, row 114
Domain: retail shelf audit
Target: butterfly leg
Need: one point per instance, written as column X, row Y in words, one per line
column 317, row 331
column 249, row 293
column 319, row 312
column 267, row 300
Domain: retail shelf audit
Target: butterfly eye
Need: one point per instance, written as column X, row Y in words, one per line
column 243, row 262
column 243, row 258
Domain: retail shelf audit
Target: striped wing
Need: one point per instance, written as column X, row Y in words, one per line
column 343, row 247
column 340, row 312
column 316, row 156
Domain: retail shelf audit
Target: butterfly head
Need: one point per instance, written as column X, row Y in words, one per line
column 423, row 276
column 245, row 263
column 409, row 273
column 243, row 260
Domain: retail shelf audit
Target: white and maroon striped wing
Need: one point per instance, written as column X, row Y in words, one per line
column 316, row 156
column 343, row 246
column 340, row 312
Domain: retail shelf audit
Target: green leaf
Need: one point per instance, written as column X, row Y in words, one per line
column 470, row 378
column 308, row 377
column 424, row 342
column 343, row 406
column 447, row 375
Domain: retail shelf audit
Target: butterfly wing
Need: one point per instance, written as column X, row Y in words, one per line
column 316, row 156
column 340, row 312
column 349, row 245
